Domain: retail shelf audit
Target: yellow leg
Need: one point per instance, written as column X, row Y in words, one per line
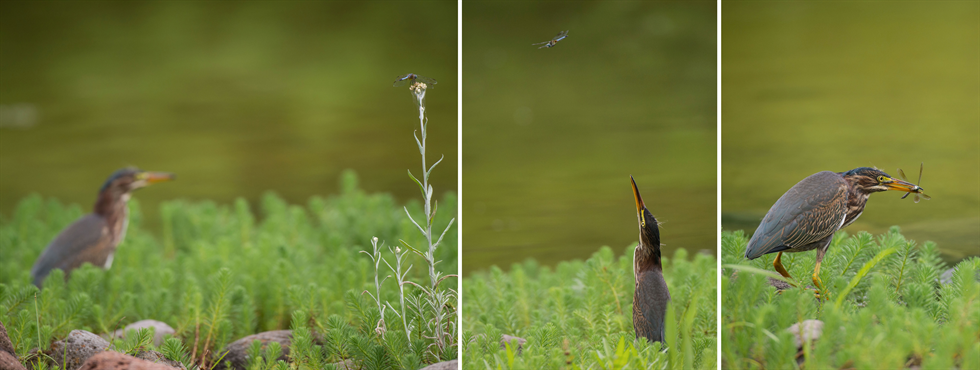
column 778, row 265
column 817, row 282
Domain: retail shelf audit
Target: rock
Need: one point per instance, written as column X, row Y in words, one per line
column 347, row 364
column 812, row 330
column 5, row 344
column 9, row 362
column 445, row 365
column 504, row 339
column 779, row 284
column 947, row 276
column 237, row 351
column 8, row 357
column 71, row 352
column 117, row 361
column 160, row 330
column 158, row 358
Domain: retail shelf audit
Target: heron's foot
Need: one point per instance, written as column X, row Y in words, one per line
column 819, row 292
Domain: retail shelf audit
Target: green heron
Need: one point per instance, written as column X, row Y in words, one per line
column 808, row 215
column 94, row 237
column 650, row 295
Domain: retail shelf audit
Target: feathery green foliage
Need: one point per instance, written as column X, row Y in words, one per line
column 219, row 272
column 579, row 315
column 888, row 307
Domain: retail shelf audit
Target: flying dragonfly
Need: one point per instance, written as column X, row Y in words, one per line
column 554, row 41
column 402, row 80
column 918, row 189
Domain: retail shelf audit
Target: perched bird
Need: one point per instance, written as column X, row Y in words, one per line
column 808, row 215
column 650, row 295
column 94, row 237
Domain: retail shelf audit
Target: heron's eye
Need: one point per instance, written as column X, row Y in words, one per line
column 882, row 179
column 141, row 176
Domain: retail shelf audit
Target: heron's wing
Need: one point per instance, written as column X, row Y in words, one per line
column 810, row 211
column 88, row 232
column 650, row 305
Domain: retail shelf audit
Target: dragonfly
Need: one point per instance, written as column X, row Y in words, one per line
column 547, row 44
column 411, row 77
column 918, row 189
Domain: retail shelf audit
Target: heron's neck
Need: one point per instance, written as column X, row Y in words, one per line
column 856, row 200
column 646, row 257
column 112, row 207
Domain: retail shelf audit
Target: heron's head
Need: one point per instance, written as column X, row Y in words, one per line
column 872, row 180
column 649, row 230
column 131, row 178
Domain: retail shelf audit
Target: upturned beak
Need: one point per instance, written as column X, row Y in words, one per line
column 636, row 196
column 900, row 185
column 155, row 177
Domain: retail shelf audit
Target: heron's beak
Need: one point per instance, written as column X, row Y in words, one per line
column 904, row 186
column 636, row 196
column 155, row 177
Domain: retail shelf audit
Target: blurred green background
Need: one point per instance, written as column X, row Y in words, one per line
column 236, row 98
column 813, row 86
column 551, row 136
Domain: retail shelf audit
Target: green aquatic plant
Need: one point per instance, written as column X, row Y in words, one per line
column 890, row 307
column 217, row 273
column 576, row 315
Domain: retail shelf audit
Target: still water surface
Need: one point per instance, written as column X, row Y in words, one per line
column 551, row 136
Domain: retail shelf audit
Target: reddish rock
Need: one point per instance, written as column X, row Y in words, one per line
column 158, row 358
column 9, row 362
column 117, row 361
column 8, row 357
column 5, row 344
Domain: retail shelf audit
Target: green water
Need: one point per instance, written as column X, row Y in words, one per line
column 551, row 136
column 235, row 98
column 812, row 86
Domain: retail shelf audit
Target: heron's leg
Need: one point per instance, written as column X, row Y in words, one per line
column 778, row 265
column 816, row 273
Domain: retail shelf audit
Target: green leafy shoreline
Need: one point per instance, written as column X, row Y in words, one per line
column 888, row 307
column 218, row 273
column 578, row 315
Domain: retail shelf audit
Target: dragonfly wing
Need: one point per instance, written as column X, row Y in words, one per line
column 402, row 80
column 427, row 80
